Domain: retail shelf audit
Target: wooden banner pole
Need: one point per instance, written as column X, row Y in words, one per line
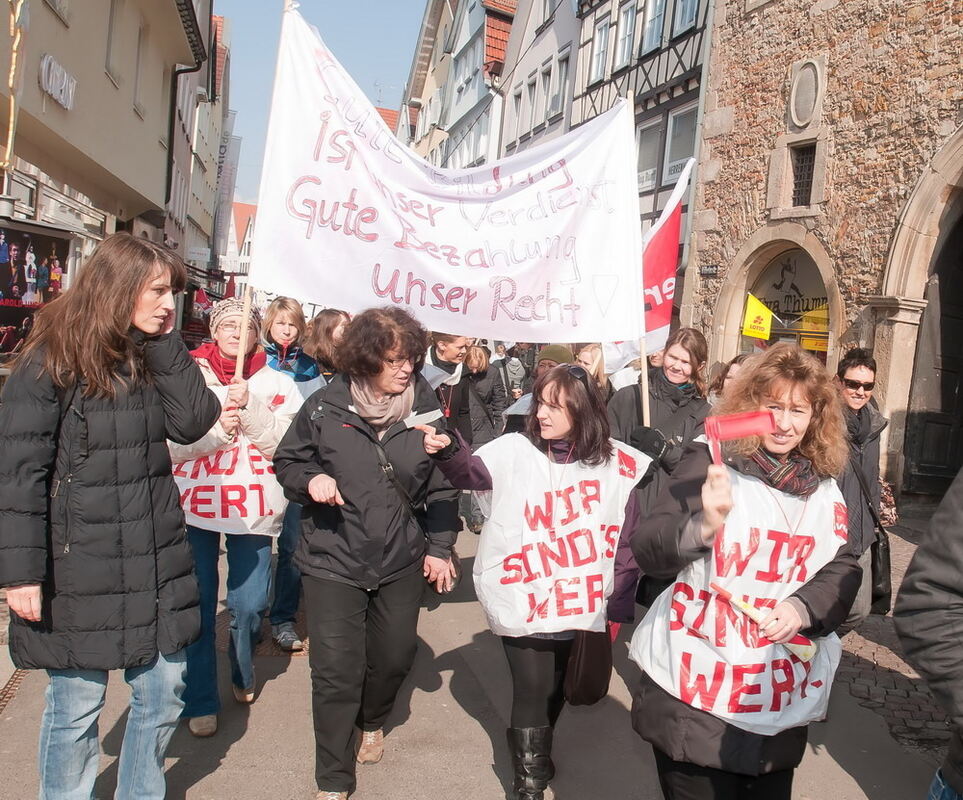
column 245, row 324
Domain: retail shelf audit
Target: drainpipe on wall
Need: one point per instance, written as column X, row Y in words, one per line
column 685, row 308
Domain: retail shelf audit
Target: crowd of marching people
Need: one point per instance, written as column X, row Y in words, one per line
column 336, row 460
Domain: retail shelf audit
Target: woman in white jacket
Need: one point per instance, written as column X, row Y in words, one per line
column 227, row 485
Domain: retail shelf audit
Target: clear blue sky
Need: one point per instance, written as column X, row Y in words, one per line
column 373, row 39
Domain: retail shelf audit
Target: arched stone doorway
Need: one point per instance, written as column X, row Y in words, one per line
column 770, row 262
column 924, row 270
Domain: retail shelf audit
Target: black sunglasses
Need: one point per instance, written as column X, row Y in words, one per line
column 854, row 385
column 579, row 373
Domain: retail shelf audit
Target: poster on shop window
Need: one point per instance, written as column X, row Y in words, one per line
column 546, row 558
column 33, row 269
column 544, row 245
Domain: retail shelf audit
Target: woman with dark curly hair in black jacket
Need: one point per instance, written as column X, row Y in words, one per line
column 93, row 551
column 378, row 519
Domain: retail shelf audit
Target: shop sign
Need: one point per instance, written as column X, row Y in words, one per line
column 791, row 286
column 57, row 82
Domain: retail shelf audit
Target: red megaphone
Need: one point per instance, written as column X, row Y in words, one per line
column 737, row 426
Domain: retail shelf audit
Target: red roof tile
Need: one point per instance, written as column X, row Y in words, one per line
column 221, row 54
column 244, row 214
column 390, row 117
column 497, row 31
column 504, row 6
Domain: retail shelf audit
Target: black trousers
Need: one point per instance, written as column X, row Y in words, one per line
column 681, row 780
column 362, row 646
column 538, row 678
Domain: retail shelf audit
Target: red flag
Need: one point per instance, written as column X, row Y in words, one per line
column 231, row 289
column 202, row 303
column 660, row 258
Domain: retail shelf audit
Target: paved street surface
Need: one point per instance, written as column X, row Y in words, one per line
column 446, row 735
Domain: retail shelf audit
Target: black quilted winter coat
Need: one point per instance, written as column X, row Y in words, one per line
column 91, row 512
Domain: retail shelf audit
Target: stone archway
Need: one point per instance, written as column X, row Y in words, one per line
column 926, row 220
column 753, row 257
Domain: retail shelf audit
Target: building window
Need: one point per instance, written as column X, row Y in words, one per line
column 649, row 152
column 532, row 103
column 680, row 143
column 561, row 86
column 623, row 53
column 654, row 22
column 685, row 15
column 112, row 16
column 548, row 8
column 142, row 39
column 803, row 158
column 600, row 51
column 517, row 106
column 546, row 91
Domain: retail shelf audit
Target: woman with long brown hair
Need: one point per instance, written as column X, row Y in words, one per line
column 738, row 654
column 98, row 571
column 555, row 499
column 322, row 337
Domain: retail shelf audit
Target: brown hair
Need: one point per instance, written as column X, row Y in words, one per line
column 583, row 402
column 720, row 380
column 824, row 442
column 695, row 344
column 477, row 359
column 319, row 335
column 83, row 335
column 373, row 334
column 279, row 306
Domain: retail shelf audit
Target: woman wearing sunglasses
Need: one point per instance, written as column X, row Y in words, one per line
column 856, row 379
column 555, row 500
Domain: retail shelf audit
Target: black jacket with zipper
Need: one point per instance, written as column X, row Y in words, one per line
column 89, row 510
column 372, row 539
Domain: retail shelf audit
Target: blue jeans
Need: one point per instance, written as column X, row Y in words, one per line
column 287, row 577
column 941, row 790
column 248, row 585
column 69, row 751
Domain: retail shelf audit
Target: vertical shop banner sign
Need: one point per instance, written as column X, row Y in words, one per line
column 540, row 246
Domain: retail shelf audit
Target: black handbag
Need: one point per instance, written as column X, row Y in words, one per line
column 882, row 580
column 589, row 668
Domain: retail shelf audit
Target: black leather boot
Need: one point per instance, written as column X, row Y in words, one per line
column 531, row 750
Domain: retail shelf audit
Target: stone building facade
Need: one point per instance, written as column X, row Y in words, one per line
column 830, row 184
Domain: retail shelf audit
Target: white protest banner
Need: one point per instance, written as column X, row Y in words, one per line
column 660, row 258
column 542, row 246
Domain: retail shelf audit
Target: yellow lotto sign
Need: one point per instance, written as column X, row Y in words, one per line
column 758, row 319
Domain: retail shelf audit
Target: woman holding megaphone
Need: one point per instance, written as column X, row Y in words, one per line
column 738, row 654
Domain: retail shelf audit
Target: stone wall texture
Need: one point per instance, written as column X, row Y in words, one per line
column 893, row 96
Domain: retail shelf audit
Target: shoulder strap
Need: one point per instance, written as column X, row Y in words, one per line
column 388, row 468
column 864, row 490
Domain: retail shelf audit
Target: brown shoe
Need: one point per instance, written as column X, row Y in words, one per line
column 245, row 696
column 371, row 746
column 203, row 726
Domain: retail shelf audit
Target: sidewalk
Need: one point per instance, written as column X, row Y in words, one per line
column 446, row 736
column 874, row 670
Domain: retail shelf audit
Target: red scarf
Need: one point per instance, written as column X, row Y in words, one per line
column 224, row 367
